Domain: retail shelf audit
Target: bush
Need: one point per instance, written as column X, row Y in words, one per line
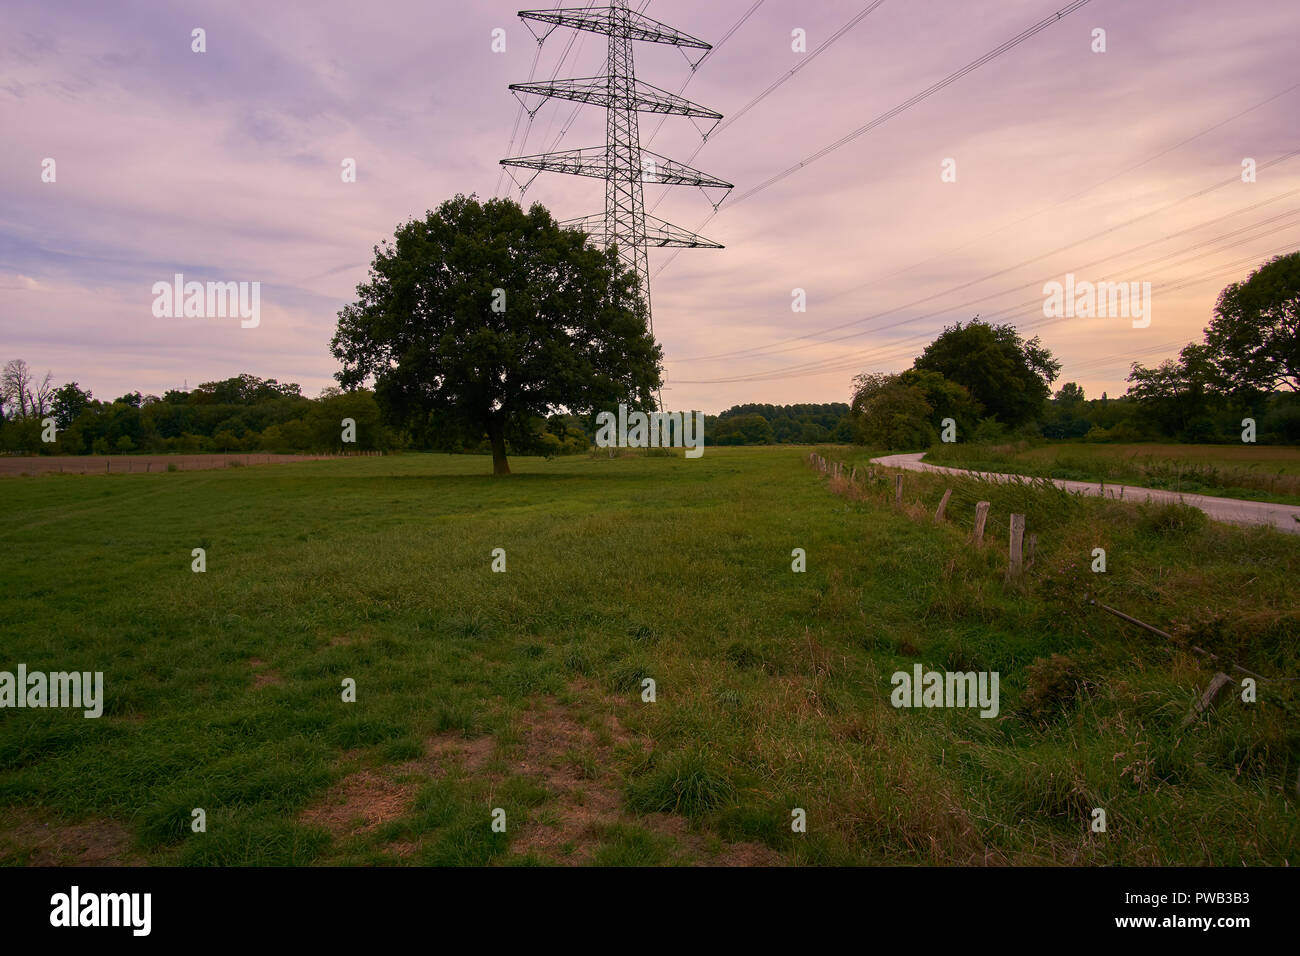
column 691, row 783
column 988, row 430
column 1171, row 518
column 1052, row 685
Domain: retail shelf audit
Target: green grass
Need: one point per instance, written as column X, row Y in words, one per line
column 1247, row 471
column 522, row 690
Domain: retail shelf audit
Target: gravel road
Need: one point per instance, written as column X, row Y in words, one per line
column 1231, row 510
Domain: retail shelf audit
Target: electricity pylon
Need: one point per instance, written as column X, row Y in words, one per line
column 621, row 162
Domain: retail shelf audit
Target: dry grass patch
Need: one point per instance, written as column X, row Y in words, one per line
column 28, row 838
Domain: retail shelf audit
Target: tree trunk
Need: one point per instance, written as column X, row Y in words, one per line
column 497, row 436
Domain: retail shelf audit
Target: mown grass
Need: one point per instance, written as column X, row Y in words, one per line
column 1247, row 471
column 772, row 687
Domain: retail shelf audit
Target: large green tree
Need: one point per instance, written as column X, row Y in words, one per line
column 1008, row 376
column 482, row 317
column 889, row 413
column 1254, row 337
column 1176, row 394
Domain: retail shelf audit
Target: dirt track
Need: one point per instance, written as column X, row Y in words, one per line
column 1232, row 510
column 134, row 464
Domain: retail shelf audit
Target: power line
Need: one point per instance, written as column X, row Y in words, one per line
column 564, row 55
column 881, row 352
column 1038, row 283
column 1072, row 196
column 900, row 108
column 818, row 51
column 564, row 129
column 1231, row 180
column 695, row 68
column 519, row 114
column 909, row 103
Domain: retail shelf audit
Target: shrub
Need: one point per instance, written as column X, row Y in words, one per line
column 1171, row 518
column 690, row 783
column 1053, row 683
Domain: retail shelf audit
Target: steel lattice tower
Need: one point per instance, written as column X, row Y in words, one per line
column 621, row 162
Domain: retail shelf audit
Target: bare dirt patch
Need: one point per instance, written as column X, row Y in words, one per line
column 32, row 839
column 573, row 759
column 263, row 676
column 360, row 802
column 134, row 464
column 577, row 765
column 444, row 751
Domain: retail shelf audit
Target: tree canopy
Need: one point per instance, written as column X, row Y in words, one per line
column 1006, row 375
column 1254, row 337
column 482, row 317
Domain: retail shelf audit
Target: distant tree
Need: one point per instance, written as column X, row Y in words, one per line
column 69, row 402
column 483, row 317
column 243, row 389
column 1254, row 337
column 1176, row 392
column 947, row 399
column 812, row 434
column 888, row 413
column 134, row 399
column 743, row 430
column 326, row 419
column 1008, row 376
column 1070, row 395
column 806, row 423
column 22, row 391
column 225, row 441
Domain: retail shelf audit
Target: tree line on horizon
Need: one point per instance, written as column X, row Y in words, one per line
column 487, row 327
column 992, row 384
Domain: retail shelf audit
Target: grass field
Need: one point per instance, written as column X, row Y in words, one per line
column 522, row 690
column 1255, row 472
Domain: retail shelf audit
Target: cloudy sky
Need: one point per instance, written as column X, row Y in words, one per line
column 225, row 166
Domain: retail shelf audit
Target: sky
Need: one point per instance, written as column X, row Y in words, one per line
column 1050, row 159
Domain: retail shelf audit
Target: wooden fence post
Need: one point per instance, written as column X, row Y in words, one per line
column 898, row 489
column 938, row 515
column 1016, row 565
column 1206, row 701
column 1031, row 548
column 981, row 515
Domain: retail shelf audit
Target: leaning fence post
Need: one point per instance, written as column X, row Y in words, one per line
column 981, row 515
column 1016, row 565
column 938, row 515
column 1206, row 700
